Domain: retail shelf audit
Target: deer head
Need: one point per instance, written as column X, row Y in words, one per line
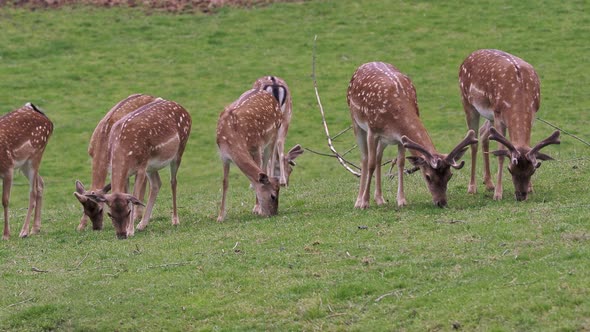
column 436, row 168
column 92, row 209
column 121, row 211
column 524, row 161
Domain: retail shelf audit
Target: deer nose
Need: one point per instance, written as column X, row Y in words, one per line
column 520, row 195
column 441, row 203
column 122, row 236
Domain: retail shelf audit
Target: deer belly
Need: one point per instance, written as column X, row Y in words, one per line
column 164, row 153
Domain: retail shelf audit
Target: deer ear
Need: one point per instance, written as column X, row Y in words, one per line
column 263, row 178
column 542, row 156
column 416, row 161
column 133, row 200
column 79, row 187
column 295, row 152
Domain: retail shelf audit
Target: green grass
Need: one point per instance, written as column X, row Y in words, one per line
column 477, row 265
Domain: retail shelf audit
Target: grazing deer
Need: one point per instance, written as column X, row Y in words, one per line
column 23, row 137
column 505, row 90
column 247, row 132
column 98, row 151
column 384, row 111
column 277, row 87
column 143, row 142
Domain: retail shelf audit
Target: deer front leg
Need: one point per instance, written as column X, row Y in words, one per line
column 38, row 205
column 6, row 185
column 361, row 139
column 224, row 186
column 378, row 190
column 472, row 123
column 401, row 160
column 138, row 209
column 155, row 184
column 499, row 189
column 173, row 170
column 83, row 222
column 280, row 146
column 485, row 147
column 372, row 143
column 32, row 175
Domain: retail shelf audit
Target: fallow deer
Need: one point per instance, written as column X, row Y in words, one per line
column 98, row 151
column 277, row 87
column 384, row 111
column 143, row 142
column 23, row 137
column 505, row 90
column 246, row 135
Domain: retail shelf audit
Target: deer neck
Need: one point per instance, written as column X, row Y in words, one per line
column 518, row 122
column 418, row 134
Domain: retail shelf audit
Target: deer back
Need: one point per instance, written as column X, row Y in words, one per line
column 151, row 136
column 98, row 149
column 382, row 98
column 249, row 125
column 502, row 87
column 23, row 136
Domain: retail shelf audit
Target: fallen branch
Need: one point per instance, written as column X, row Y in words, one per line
column 34, row 269
column 21, row 302
column 315, row 86
column 396, row 293
column 81, row 261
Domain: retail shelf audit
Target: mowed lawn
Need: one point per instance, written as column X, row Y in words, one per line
column 320, row 264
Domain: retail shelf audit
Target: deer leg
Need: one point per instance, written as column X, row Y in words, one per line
column 379, row 157
column 6, row 186
column 138, row 209
column 38, row 204
column 401, row 160
column 499, row 189
column 372, row 143
column 259, row 157
column 473, row 123
column 83, row 222
column 173, row 170
column 155, row 184
column 361, row 139
column 32, row 176
column 281, row 156
column 485, row 147
column 222, row 210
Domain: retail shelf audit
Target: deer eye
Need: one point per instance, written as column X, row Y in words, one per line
column 110, row 215
column 428, row 178
column 273, row 197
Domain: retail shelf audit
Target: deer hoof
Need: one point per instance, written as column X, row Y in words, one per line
column 361, row 205
column 141, row 227
column 472, row 189
column 379, row 201
column 402, row 202
column 497, row 196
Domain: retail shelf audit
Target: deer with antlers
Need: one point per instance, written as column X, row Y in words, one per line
column 98, row 151
column 23, row 137
column 505, row 90
column 247, row 132
column 143, row 142
column 384, row 111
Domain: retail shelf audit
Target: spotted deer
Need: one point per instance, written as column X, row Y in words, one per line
column 505, row 90
column 277, row 87
column 23, row 137
column 247, row 132
column 98, row 151
column 143, row 142
column 384, row 111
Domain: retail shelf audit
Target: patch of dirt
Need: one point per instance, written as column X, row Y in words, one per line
column 176, row 6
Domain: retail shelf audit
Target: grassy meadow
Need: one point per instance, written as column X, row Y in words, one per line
column 320, row 264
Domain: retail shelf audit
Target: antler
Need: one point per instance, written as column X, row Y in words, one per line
column 496, row 136
column 460, row 149
column 409, row 144
column 342, row 161
column 553, row 139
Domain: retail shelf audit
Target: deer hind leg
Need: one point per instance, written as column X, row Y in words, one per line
column 499, row 189
column 372, row 143
column 6, row 186
column 361, row 139
column 173, row 171
column 222, row 210
column 378, row 190
column 280, row 147
column 473, row 123
column 38, row 205
column 485, row 147
column 401, row 160
column 155, row 184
